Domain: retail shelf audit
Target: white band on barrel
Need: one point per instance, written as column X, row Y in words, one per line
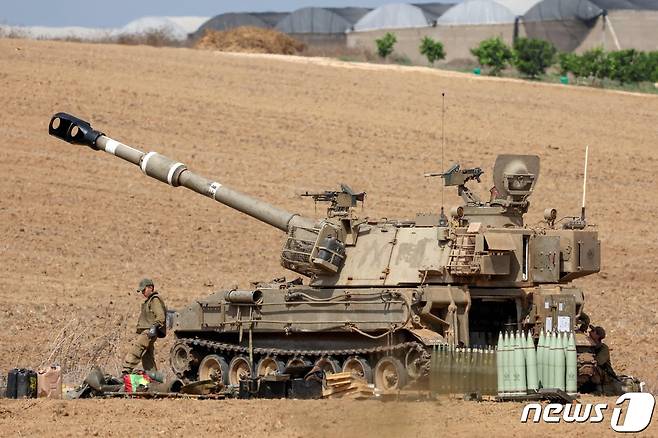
column 173, row 170
column 111, row 146
column 145, row 160
column 213, row 189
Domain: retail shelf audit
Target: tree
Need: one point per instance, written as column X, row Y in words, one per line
column 385, row 44
column 433, row 50
column 494, row 54
column 533, row 56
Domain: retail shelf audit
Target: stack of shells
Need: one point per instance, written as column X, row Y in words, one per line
column 457, row 370
column 522, row 368
column 514, row 368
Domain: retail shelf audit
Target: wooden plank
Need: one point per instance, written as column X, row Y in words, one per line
column 339, row 376
column 339, row 382
column 355, row 387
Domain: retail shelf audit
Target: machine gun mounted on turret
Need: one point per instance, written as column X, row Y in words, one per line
column 340, row 202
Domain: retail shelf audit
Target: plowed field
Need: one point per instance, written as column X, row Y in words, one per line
column 78, row 229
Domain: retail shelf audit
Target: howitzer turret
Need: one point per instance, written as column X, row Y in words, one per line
column 176, row 174
column 381, row 293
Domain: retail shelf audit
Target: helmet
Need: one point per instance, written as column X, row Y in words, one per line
column 600, row 331
column 144, row 284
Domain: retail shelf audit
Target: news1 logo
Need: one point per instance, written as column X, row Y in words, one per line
column 632, row 412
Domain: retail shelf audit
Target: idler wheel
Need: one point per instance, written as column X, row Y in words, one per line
column 359, row 367
column 182, row 359
column 414, row 361
column 215, row 368
column 269, row 366
column 390, row 374
column 238, row 369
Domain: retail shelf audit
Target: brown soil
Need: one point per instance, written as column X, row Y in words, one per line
column 250, row 40
column 78, row 229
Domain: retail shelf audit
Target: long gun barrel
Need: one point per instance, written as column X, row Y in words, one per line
column 76, row 131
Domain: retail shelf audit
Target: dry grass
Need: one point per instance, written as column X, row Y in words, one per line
column 78, row 346
column 153, row 37
column 11, row 33
column 340, row 51
column 250, row 40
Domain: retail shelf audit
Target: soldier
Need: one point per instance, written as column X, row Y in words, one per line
column 604, row 376
column 150, row 326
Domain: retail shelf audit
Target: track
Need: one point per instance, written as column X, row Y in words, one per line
column 186, row 355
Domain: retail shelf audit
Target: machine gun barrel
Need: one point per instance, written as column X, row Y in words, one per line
column 76, row 131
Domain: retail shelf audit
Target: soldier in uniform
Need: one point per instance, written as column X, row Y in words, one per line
column 604, row 376
column 150, row 326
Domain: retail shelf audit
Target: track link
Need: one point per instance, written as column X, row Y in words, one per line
column 221, row 347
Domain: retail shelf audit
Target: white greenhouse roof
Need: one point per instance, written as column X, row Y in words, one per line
column 178, row 27
column 518, row 7
column 477, row 12
column 394, row 16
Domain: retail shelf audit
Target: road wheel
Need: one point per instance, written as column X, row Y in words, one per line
column 359, row 367
column 238, row 369
column 269, row 366
column 328, row 365
column 215, row 368
column 390, row 374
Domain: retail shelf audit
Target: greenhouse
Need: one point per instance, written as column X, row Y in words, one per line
column 477, row 12
column 232, row 20
column 401, row 16
column 176, row 27
column 323, row 21
column 628, row 24
column 565, row 23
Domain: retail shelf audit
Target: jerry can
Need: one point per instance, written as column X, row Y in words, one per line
column 12, row 378
column 26, row 384
column 49, row 382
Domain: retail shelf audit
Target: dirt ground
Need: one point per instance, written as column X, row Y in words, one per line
column 79, row 229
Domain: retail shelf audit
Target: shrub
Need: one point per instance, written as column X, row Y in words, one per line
column 593, row 63
column 156, row 37
column 653, row 65
column 401, row 59
column 533, row 56
column 494, row 54
column 568, row 63
column 629, row 66
column 645, row 66
column 433, row 50
column 385, row 44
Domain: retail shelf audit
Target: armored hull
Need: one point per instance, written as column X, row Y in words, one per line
column 376, row 295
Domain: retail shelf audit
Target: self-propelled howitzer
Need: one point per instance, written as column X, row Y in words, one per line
column 379, row 293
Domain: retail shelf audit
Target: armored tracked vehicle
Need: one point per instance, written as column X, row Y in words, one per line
column 378, row 294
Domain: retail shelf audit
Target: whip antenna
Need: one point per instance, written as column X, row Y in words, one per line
column 443, row 141
column 443, row 219
column 582, row 210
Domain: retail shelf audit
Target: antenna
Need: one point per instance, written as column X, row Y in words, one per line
column 443, row 220
column 443, row 140
column 582, row 210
